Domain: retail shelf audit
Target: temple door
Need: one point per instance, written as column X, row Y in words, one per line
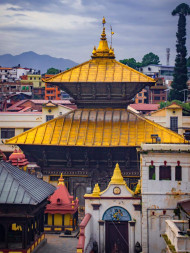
column 117, row 237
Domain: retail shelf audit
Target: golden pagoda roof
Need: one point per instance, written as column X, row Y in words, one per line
column 101, row 68
column 96, row 128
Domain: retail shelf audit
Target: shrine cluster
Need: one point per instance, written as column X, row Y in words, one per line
column 125, row 176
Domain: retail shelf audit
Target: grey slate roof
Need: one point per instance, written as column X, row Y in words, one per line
column 18, row 187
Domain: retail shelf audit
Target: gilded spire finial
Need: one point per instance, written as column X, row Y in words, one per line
column 61, row 180
column 103, row 21
column 117, row 177
column 103, row 50
column 96, row 191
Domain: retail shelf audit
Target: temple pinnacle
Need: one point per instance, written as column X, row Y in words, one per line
column 61, row 180
column 103, row 21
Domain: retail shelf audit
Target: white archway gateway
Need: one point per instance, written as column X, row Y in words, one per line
column 116, row 229
column 115, row 219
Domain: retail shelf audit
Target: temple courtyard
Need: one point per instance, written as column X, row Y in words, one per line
column 56, row 244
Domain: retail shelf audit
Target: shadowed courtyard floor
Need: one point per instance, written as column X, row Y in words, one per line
column 56, row 244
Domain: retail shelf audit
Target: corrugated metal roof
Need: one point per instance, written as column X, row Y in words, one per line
column 18, row 187
column 100, row 70
column 96, row 128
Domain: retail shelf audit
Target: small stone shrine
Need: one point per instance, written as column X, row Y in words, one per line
column 62, row 212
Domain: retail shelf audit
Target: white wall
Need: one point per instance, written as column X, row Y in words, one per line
column 160, row 197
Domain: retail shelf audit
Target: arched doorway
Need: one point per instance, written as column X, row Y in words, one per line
column 116, row 219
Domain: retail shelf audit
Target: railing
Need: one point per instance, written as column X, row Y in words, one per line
column 85, row 233
column 176, row 235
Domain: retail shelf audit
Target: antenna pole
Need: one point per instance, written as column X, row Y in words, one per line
column 111, row 35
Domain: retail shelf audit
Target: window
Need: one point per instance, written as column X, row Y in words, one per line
column 157, row 98
column 49, row 117
column 174, row 124
column 157, row 92
column 140, row 101
column 140, row 94
column 165, row 172
column 7, row 133
column 34, row 78
column 178, row 176
column 26, row 129
column 30, row 78
column 152, row 175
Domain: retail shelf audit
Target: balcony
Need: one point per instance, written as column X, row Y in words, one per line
column 177, row 236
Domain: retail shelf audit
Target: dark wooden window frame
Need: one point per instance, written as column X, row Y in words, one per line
column 178, row 173
column 7, row 133
column 152, row 172
column 165, row 172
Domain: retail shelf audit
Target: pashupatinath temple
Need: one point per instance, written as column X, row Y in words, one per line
column 86, row 143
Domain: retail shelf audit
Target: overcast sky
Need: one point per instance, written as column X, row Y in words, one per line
column 70, row 28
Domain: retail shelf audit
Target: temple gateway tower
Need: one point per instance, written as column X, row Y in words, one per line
column 85, row 144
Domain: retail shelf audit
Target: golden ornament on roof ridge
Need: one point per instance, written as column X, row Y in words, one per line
column 61, row 180
column 96, row 191
column 117, row 177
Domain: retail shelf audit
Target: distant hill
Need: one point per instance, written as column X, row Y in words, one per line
column 35, row 61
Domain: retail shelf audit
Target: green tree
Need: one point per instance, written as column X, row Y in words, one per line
column 52, row 71
column 188, row 62
column 131, row 62
column 180, row 71
column 150, row 58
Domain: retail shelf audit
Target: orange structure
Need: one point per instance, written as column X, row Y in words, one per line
column 51, row 92
column 17, row 158
column 62, row 212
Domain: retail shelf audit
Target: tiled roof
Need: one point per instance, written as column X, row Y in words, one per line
column 145, row 107
column 18, row 187
column 41, row 101
column 4, row 68
column 96, row 128
column 100, row 70
column 17, row 106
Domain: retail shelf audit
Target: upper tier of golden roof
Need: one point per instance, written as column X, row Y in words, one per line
column 96, row 128
column 101, row 68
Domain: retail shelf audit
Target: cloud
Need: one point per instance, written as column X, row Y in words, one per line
column 70, row 29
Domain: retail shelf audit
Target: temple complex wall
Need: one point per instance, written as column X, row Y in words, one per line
column 159, row 196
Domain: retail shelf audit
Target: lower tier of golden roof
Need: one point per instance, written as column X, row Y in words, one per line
column 96, row 128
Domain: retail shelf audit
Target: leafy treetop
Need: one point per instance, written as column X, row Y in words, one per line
column 150, row 59
column 181, row 9
column 52, row 71
column 147, row 59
